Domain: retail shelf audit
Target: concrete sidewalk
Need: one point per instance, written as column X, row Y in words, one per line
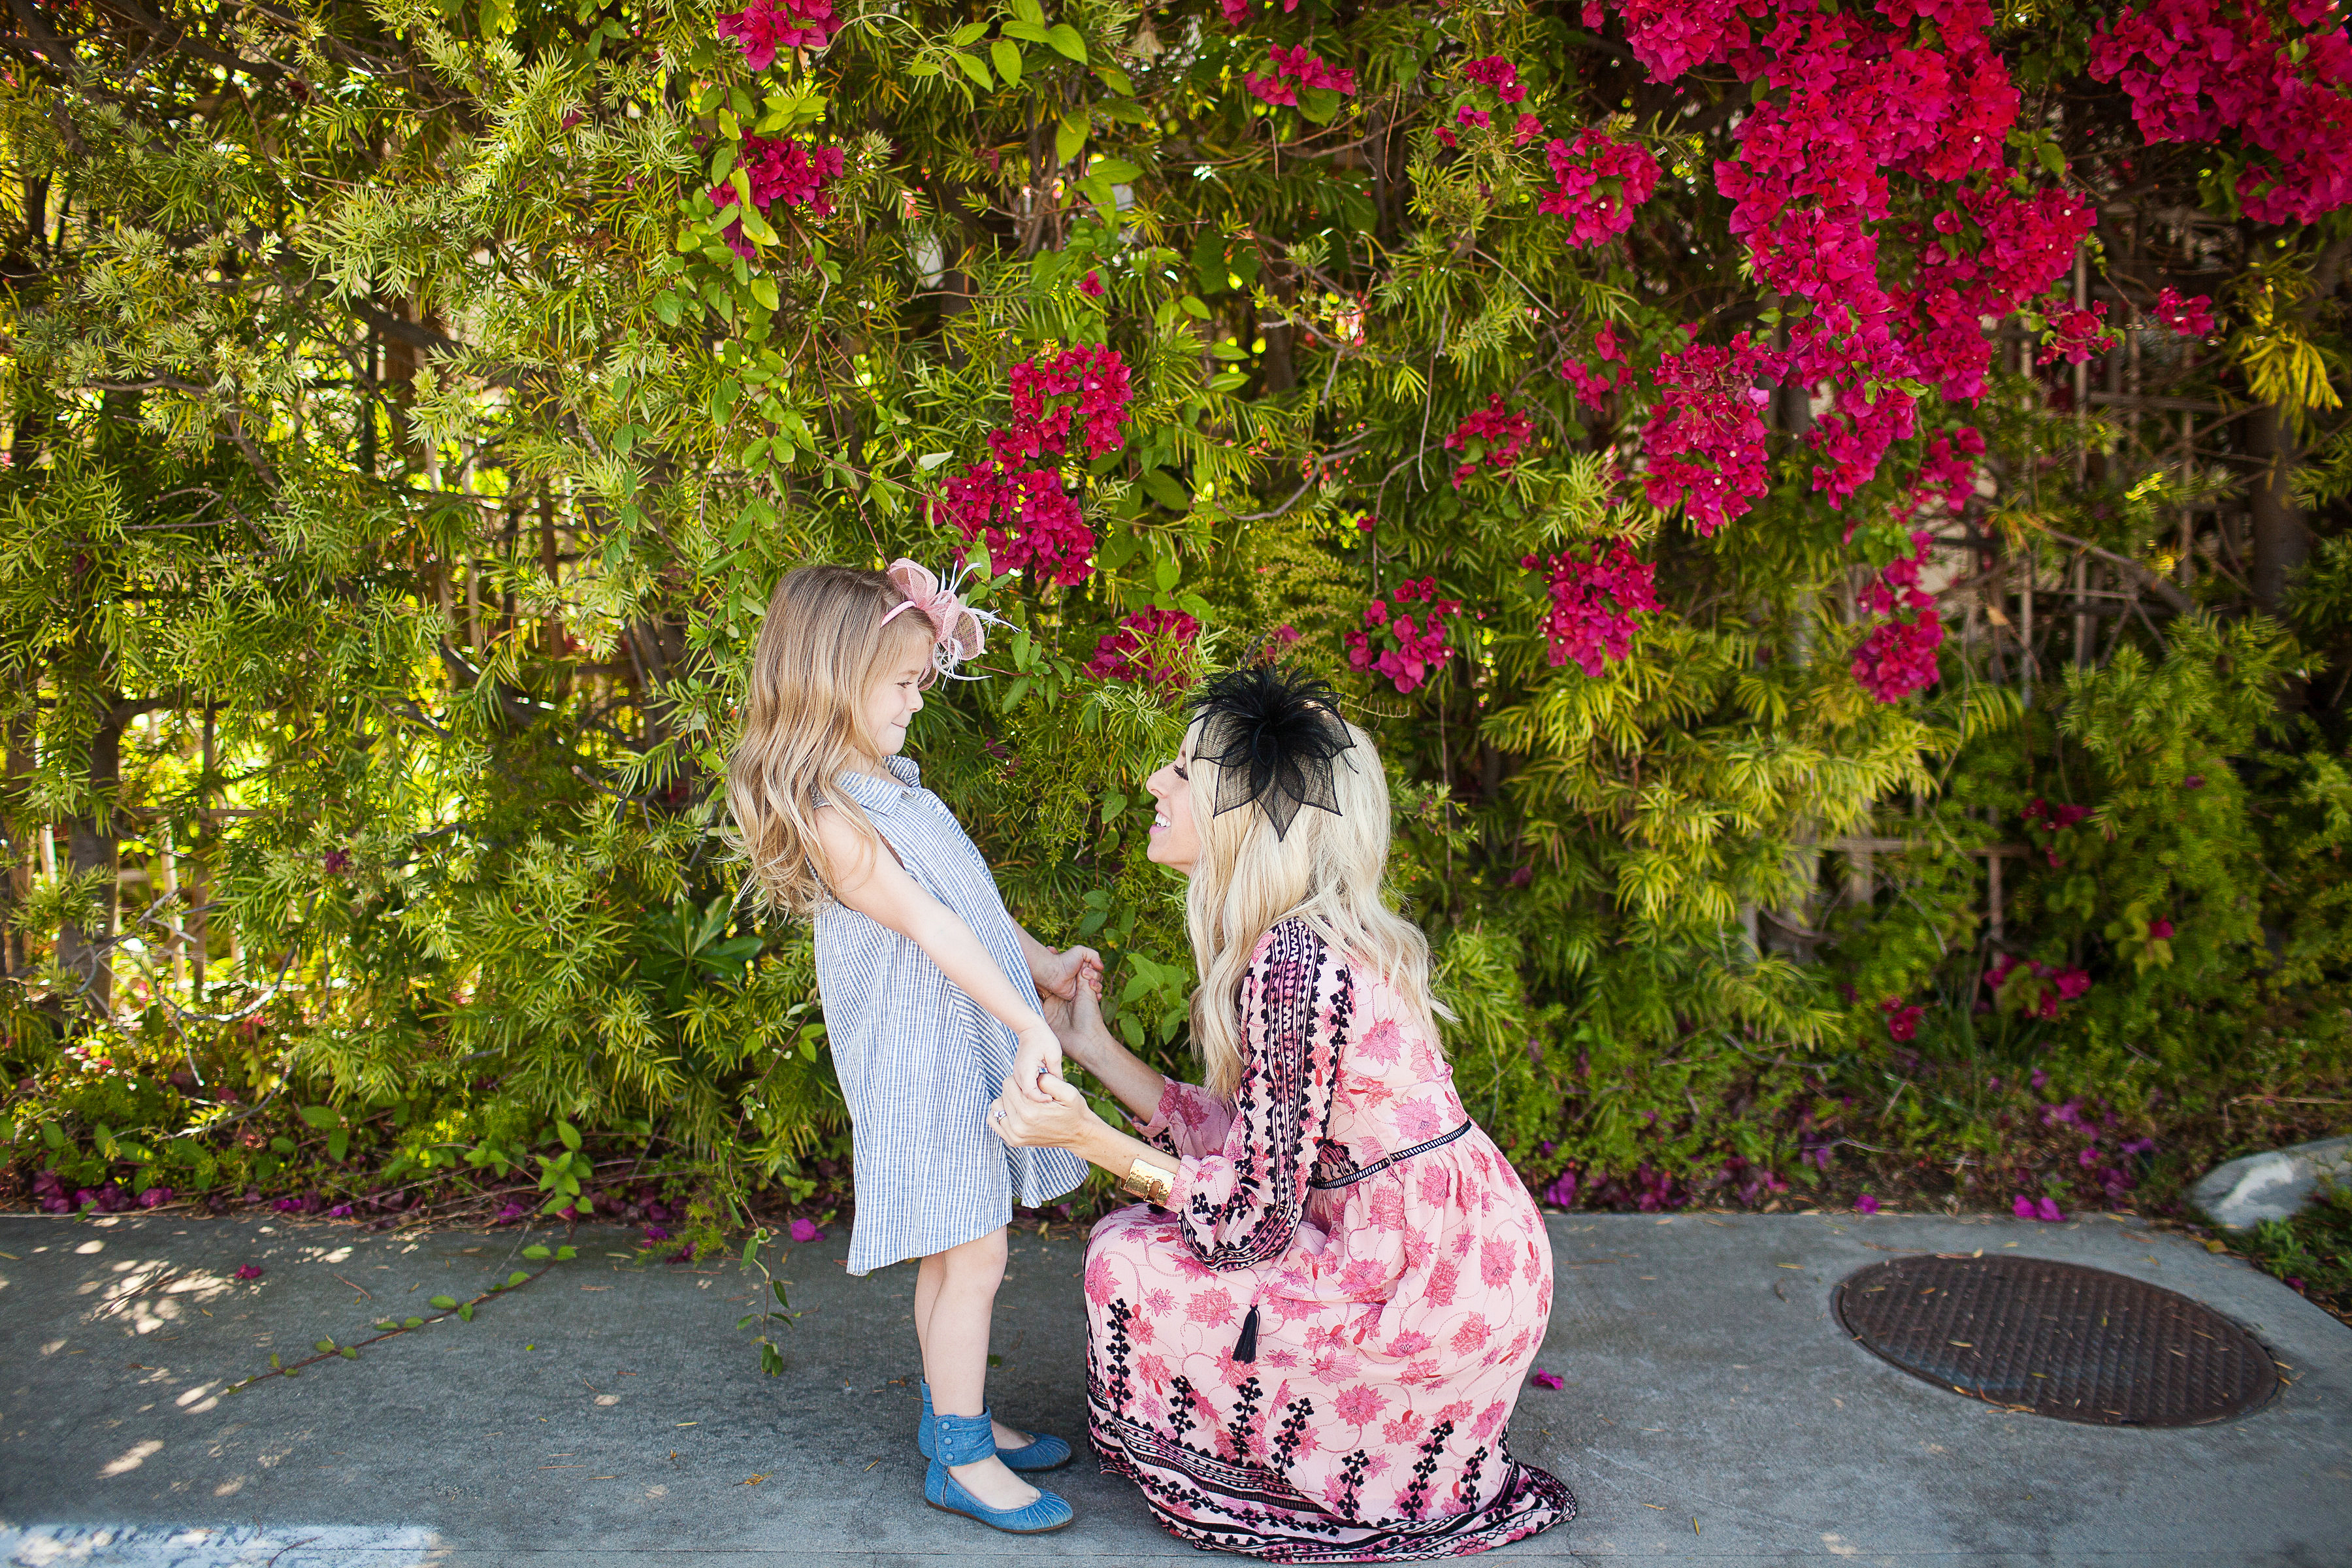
column 1714, row 1410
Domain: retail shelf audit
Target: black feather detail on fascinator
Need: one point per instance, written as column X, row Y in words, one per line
column 1272, row 733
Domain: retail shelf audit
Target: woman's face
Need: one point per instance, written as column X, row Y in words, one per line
column 1175, row 841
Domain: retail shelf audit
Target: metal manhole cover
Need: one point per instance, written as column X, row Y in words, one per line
column 2081, row 1344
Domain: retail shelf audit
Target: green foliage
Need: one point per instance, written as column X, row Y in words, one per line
column 404, row 451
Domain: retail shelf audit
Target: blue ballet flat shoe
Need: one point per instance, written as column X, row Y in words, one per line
column 968, row 1439
column 1043, row 1453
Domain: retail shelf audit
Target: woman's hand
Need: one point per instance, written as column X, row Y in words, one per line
column 1059, row 1119
column 1059, row 974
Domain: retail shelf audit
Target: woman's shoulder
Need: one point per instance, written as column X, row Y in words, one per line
column 1295, row 940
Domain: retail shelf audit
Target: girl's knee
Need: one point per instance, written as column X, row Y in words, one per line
column 982, row 1254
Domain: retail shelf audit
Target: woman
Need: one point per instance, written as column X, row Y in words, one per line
column 1307, row 1347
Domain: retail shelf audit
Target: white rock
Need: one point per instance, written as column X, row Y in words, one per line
column 2245, row 1191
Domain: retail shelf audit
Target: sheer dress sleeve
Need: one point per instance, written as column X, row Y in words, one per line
column 1239, row 1200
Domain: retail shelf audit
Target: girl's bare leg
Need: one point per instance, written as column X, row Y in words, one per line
column 955, row 1293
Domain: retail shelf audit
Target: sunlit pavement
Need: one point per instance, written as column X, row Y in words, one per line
column 1713, row 1411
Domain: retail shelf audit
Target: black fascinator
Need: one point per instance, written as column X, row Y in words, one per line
column 1274, row 733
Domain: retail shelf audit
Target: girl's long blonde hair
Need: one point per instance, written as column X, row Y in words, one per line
column 1327, row 872
column 822, row 648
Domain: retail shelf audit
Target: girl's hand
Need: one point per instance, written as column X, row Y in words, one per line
column 1059, row 974
column 1036, row 1064
column 1060, row 1119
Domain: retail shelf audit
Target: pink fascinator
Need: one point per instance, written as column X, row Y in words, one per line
column 960, row 631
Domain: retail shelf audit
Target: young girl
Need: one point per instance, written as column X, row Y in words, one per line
column 930, row 990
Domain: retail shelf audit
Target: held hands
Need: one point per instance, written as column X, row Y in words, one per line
column 1036, row 1064
column 1058, row 1118
column 1059, row 974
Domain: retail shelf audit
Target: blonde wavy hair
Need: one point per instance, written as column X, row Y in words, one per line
column 1327, row 872
column 822, row 648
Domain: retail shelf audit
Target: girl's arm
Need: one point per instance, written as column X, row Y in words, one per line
column 873, row 883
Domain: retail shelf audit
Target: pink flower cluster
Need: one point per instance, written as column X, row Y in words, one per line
column 1591, row 387
column 1296, row 70
column 1947, row 475
column 765, row 28
column 2075, row 335
column 1902, row 1022
column 1705, row 435
column 1600, row 182
column 1898, row 656
column 1151, row 644
column 2194, row 69
column 1498, row 73
column 1413, row 650
column 1849, row 103
column 782, row 170
column 1237, row 11
column 1593, row 603
column 2192, row 318
column 1077, row 398
column 1493, row 435
column 2050, row 984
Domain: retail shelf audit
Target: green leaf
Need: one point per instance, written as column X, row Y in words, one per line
column 411, row 1322
column 445, row 1303
column 566, row 1254
column 1116, row 79
column 466, row 1314
column 273, row 1359
column 1066, row 40
column 1008, row 62
column 1069, row 136
column 1167, row 492
column 1029, row 11
column 348, row 1353
column 516, row 1278
column 967, row 35
column 387, row 1325
column 777, row 1287
column 319, row 1116
column 283, row 1145
column 2052, row 158
column 339, row 1143
column 323, row 1346
column 1118, row 171
column 1028, row 32
column 763, row 289
column 569, row 1134
column 971, row 66
column 771, row 1359
column 535, row 1252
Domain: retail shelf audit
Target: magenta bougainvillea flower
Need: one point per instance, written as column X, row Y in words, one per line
column 1499, row 432
column 1898, row 656
column 1865, row 1204
column 1031, row 521
column 1091, row 285
column 2192, row 318
column 1594, row 600
column 1498, row 73
column 1295, row 71
column 1600, row 182
column 1704, row 440
column 1549, row 1379
column 804, row 1230
column 2193, row 69
column 1151, row 646
column 1072, row 403
column 248, row 1271
column 337, row 862
column 1902, row 1022
column 1472, row 118
column 2159, row 930
column 786, row 171
column 2046, row 1210
column 765, row 28
column 1527, row 128
column 155, row 1197
column 2075, row 335
column 1236, row 12
column 1416, row 640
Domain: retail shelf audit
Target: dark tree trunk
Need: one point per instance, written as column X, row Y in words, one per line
column 91, row 845
column 2282, row 536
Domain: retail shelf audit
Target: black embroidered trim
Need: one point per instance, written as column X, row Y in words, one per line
column 1351, row 1177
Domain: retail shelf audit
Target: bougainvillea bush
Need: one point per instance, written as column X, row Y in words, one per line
column 1851, row 735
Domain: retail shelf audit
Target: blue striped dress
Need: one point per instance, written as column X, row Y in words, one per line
column 919, row 1060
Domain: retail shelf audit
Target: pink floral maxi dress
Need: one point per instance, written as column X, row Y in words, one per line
column 1399, row 1307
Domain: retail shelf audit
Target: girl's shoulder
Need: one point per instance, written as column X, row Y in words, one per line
column 877, row 796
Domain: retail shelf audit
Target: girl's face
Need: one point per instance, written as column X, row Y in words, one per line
column 897, row 696
column 1175, row 840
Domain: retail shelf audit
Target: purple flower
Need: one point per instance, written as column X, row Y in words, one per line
column 804, row 1231
column 2024, row 1207
column 2160, row 930
column 654, row 1232
column 2040, row 1077
column 508, row 1214
column 248, row 1271
column 1561, row 1194
column 1549, row 1379
column 1091, row 285
column 340, row 1211
column 2046, row 1211
column 1865, row 1204
column 155, row 1197
column 338, row 861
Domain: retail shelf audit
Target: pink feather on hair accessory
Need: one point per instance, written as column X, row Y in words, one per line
column 959, row 631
